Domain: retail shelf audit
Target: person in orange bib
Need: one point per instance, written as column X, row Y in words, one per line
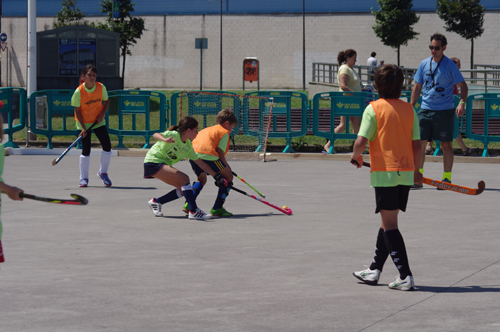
column 391, row 126
column 91, row 103
column 211, row 145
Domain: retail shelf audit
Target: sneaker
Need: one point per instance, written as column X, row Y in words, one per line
column 220, row 212
column 199, row 215
column 445, row 181
column 404, row 285
column 185, row 208
column 84, row 183
column 416, row 186
column 105, row 179
column 156, row 207
column 368, row 276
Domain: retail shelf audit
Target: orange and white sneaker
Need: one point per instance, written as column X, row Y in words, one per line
column 199, row 215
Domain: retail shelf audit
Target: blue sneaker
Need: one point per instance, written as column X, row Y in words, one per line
column 84, row 183
column 105, row 179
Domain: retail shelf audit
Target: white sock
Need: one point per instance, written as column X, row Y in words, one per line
column 84, row 166
column 105, row 159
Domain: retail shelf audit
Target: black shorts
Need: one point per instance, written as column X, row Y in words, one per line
column 391, row 198
column 215, row 165
column 436, row 125
column 151, row 169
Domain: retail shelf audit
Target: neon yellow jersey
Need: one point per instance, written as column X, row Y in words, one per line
column 170, row 153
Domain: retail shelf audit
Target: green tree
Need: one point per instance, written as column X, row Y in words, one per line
column 69, row 15
column 394, row 23
column 130, row 28
column 464, row 17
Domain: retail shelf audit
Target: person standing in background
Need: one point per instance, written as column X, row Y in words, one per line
column 372, row 62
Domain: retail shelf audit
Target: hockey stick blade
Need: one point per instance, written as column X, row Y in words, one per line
column 56, row 161
column 78, row 200
column 287, row 211
column 456, row 188
column 446, row 186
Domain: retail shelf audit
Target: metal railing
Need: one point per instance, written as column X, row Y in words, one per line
column 489, row 76
column 327, row 73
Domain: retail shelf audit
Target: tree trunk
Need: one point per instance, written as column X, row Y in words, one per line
column 399, row 47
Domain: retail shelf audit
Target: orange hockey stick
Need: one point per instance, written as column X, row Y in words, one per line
column 446, row 186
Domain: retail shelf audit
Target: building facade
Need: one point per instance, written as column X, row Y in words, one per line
column 165, row 56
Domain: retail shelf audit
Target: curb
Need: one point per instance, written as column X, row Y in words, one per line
column 246, row 155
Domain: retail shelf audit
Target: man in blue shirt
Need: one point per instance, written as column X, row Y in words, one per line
column 435, row 78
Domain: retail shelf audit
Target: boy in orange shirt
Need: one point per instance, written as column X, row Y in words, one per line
column 391, row 125
column 211, row 145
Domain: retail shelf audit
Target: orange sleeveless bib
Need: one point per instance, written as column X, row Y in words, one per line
column 392, row 148
column 208, row 140
column 90, row 103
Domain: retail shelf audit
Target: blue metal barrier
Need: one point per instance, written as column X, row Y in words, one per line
column 281, row 116
column 135, row 103
column 58, row 103
column 14, row 101
column 491, row 111
column 341, row 104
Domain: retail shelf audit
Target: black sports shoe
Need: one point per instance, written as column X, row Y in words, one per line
column 416, row 186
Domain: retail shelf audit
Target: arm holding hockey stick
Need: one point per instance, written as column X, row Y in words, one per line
column 442, row 185
column 285, row 209
column 55, row 161
column 248, row 184
column 78, row 200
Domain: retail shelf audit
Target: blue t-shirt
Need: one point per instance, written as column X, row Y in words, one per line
column 437, row 91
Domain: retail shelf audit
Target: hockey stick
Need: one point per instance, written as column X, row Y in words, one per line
column 446, row 186
column 267, row 132
column 248, row 184
column 55, row 161
column 78, row 200
column 285, row 209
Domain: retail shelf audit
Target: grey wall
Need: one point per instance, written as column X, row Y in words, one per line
column 165, row 57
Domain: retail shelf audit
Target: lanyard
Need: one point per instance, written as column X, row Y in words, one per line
column 433, row 73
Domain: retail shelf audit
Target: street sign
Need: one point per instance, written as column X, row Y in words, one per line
column 3, row 37
column 116, row 8
column 201, row 43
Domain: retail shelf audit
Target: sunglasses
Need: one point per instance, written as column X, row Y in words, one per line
column 437, row 48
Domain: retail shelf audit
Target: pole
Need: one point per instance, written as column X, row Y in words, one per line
column 31, row 46
column 31, row 70
column 303, row 44
column 201, row 68
column 220, row 44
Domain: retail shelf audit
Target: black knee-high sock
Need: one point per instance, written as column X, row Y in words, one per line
column 381, row 252
column 396, row 246
column 170, row 196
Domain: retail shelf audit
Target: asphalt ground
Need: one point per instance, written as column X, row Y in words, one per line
column 113, row 266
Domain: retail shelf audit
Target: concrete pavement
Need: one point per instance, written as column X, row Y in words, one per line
column 113, row 266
